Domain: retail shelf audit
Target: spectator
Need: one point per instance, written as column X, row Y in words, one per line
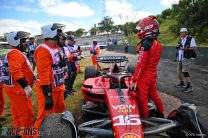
column 186, row 50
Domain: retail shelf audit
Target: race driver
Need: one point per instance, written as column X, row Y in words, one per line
column 50, row 85
column 18, row 78
column 145, row 74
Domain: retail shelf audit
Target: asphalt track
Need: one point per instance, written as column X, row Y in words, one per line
column 168, row 78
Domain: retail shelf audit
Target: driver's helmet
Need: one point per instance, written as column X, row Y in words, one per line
column 14, row 38
column 147, row 27
column 52, row 30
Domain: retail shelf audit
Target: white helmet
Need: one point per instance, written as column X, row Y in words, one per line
column 183, row 30
column 13, row 38
column 50, row 31
column 94, row 40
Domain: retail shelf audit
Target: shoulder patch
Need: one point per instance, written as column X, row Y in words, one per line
column 146, row 44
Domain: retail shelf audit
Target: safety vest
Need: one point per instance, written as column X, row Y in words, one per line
column 5, row 71
column 58, row 71
column 32, row 47
column 93, row 49
column 65, row 55
column 72, row 48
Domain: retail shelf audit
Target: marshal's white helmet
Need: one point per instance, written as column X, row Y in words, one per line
column 13, row 38
column 94, row 40
column 50, row 31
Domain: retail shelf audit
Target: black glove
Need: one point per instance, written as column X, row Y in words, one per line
column 47, row 91
column 94, row 53
column 22, row 82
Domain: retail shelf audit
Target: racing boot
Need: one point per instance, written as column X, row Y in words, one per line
column 181, row 85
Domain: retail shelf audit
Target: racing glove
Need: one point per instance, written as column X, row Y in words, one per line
column 133, row 91
column 28, row 90
column 47, row 91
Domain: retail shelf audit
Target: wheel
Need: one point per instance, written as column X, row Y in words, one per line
column 90, row 72
column 54, row 126
column 203, row 119
column 131, row 68
column 188, row 129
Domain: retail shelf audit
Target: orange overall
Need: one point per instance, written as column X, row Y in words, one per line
column 78, row 63
column 94, row 50
column 44, row 61
column 21, row 106
column 1, row 99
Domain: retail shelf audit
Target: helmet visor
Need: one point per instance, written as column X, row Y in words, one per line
column 21, row 34
column 57, row 26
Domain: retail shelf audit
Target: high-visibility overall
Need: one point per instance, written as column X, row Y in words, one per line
column 78, row 63
column 94, row 50
column 16, row 66
column 49, row 73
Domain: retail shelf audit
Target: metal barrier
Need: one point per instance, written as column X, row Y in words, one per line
column 169, row 52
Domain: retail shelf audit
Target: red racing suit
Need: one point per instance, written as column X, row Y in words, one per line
column 145, row 75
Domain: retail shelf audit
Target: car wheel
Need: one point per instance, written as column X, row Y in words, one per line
column 90, row 72
column 54, row 126
column 203, row 119
column 183, row 131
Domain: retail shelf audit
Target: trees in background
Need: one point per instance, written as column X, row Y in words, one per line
column 192, row 14
column 106, row 24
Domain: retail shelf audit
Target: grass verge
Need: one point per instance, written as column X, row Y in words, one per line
column 73, row 103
